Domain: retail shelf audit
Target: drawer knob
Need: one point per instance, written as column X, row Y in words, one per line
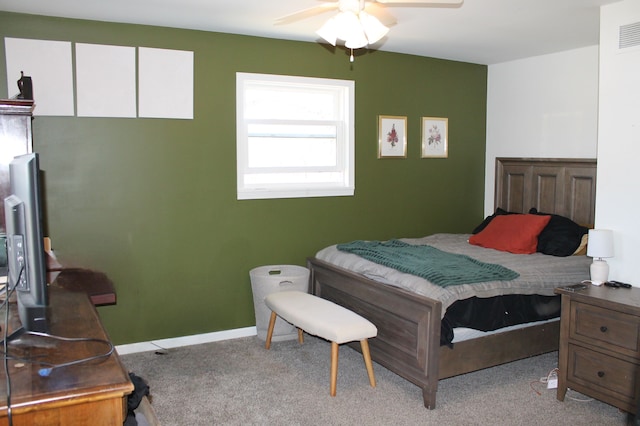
column 601, row 374
column 604, row 328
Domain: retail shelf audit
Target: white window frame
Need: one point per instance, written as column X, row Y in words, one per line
column 344, row 103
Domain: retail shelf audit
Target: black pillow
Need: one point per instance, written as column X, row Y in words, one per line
column 561, row 237
column 488, row 219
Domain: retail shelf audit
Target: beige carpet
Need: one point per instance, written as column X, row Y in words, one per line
column 238, row 382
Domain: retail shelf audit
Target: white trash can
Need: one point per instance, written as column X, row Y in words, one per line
column 271, row 279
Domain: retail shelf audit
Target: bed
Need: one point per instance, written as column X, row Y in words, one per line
column 409, row 324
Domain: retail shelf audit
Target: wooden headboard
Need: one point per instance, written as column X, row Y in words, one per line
column 552, row 185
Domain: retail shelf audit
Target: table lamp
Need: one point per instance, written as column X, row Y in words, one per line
column 600, row 246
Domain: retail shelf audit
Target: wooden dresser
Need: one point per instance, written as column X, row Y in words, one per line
column 90, row 393
column 599, row 353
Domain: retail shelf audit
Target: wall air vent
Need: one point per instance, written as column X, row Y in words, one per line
column 629, row 36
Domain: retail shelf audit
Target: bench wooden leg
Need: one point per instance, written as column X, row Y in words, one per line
column 272, row 324
column 364, row 344
column 334, row 368
column 300, row 336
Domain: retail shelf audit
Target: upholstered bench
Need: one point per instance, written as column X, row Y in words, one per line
column 325, row 319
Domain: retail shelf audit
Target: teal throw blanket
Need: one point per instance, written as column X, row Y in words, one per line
column 437, row 266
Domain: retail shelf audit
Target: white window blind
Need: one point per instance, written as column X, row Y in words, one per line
column 295, row 136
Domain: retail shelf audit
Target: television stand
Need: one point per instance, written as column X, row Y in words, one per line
column 72, row 395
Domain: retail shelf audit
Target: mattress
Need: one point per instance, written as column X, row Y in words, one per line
column 465, row 333
column 538, row 273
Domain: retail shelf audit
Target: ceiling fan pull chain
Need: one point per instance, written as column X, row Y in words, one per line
column 351, row 57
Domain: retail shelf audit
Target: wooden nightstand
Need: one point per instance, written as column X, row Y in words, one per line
column 599, row 353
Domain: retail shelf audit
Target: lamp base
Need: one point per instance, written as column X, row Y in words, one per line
column 599, row 272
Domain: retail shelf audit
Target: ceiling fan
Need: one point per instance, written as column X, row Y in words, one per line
column 359, row 22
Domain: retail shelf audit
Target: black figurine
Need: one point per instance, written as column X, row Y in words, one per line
column 25, row 86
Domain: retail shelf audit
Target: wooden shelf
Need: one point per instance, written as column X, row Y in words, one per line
column 96, row 284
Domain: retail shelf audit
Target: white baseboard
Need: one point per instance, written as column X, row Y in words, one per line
column 195, row 339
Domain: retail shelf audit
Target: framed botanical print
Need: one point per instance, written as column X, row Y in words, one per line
column 392, row 137
column 435, row 137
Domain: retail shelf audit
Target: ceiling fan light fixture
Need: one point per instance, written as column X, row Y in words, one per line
column 355, row 27
column 359, row 23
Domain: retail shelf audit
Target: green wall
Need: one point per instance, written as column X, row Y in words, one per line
column 152, row 202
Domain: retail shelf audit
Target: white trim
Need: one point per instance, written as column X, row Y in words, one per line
column 259, row 194
column 303, row 181
column 176, row 342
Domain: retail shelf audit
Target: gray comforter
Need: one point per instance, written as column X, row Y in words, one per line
column 539, row 273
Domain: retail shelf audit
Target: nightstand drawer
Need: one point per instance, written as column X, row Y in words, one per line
column 616, row 330
column 590, row 368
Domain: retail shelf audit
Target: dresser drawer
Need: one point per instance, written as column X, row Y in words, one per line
column 605, row 328
column 590, row 368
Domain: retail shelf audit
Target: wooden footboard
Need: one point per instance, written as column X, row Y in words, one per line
column 408, row 341
column 495, row 349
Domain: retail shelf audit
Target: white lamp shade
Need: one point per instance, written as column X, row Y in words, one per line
column 356, row 41
column 351, row 31
column 373, row 28
column 329, row 31
column 600, row 243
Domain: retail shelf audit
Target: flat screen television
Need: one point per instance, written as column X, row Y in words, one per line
column 25, row 247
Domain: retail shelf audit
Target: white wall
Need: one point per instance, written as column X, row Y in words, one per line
column 618, row 187
column 544, row 106
column 583, row 103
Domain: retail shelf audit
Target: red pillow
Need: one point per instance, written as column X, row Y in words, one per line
column 515, row 233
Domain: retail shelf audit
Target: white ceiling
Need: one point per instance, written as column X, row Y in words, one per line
column 480, row 31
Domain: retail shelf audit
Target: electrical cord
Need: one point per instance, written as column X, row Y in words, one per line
column 161, row 350
column 573, row 398
column 44, row 372
column 6, row 359
column 552, row 375
column 5, row 337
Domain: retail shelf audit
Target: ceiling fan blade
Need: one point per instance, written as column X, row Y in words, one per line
column 381, row 13
column 433, row 3
column 306, row 13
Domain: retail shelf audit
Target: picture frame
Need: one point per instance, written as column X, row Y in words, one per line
column 435, row 137
column 392, row 136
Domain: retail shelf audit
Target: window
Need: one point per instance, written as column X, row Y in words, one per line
column 295, row 136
